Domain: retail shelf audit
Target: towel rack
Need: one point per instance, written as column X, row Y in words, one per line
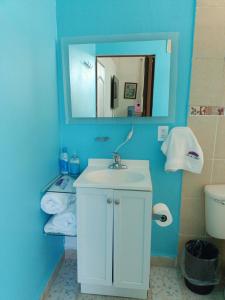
column 56, row 186
column 59, row 234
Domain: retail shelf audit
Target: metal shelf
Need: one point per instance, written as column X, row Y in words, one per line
column 61, row 184
column 59, row 234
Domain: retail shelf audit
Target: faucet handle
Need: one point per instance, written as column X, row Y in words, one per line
column 116, row 156
column 117, row 162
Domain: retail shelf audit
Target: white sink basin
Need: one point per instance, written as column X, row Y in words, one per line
column 98, row 175
column 114, row 176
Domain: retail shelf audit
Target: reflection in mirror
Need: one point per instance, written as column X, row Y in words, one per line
column 119, row 79
column 82, row 80
column 125, row 86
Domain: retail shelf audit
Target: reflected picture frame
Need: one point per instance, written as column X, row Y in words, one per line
column 130, row 90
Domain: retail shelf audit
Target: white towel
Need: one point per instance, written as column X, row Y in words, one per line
column 183, row 151
column 65, row 218
column 64, row 223
column 54, row 203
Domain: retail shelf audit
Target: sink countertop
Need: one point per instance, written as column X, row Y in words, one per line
column 91, row 176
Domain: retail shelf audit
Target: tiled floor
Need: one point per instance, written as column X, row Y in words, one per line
column 166, row 284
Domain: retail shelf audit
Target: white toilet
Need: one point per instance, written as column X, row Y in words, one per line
column 215, row 210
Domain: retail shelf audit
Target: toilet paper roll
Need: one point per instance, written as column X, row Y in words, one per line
column 162, row 209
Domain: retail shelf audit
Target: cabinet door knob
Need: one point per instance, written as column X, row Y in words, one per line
column 109, row 201
column 117, row 202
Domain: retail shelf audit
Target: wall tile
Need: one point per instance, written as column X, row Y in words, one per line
column 207, row 96
column 162, row 261
column 204, row 128
column 193, row 216
column 207, row 86
column 218, row 175
column 193, row 183
column 209, row 38
column 220, row 139
column 214, row 3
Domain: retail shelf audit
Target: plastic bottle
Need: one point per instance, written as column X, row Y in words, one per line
column 138, row 108
column 64, row 162
column 74, row 165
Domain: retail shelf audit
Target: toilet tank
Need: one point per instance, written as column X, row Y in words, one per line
column 215, row 210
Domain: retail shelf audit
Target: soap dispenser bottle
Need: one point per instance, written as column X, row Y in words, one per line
column 64, row 162
column 74, row 165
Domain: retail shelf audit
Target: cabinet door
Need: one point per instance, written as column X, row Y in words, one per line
column 132, row 229
column 94, row 235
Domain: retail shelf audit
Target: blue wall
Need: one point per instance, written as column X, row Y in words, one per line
column 77, row 18
column 29, row 145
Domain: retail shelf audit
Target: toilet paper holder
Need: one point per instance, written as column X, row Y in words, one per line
column 157, row 217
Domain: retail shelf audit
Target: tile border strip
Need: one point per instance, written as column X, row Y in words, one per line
column 196, row 110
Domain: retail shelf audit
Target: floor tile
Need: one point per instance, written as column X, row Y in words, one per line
column 166, row 284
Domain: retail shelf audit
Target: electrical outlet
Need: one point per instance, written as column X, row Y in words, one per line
column 162, row 133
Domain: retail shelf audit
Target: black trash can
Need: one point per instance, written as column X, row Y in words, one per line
column 201, row 266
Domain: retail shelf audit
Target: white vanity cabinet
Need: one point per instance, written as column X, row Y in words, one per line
column 95, row 238
column 113, row 241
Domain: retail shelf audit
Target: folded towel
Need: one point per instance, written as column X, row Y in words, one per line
column 64, row 223
column 183, row 151
column 54, row 203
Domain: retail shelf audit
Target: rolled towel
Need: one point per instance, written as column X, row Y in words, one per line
column 51, row 228
column 55, row 203
column 66, row 218
column 64, row 223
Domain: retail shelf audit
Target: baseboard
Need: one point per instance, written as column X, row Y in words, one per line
column 163, row 261
column 52, row 278
column 113, row 291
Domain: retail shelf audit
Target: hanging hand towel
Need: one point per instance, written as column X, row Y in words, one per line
column 183, row 151
column 55, row 203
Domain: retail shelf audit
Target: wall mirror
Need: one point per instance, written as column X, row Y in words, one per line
column 117, row 79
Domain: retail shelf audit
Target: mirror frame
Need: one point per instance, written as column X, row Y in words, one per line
column 65, row 42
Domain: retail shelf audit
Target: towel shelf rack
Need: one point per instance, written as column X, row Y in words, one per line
column 60, row 184
column 59, row 234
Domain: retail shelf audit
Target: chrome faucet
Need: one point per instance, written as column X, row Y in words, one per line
column 117, row 164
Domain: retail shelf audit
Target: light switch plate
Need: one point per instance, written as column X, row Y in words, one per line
column 162, row 133
column 169, row 46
